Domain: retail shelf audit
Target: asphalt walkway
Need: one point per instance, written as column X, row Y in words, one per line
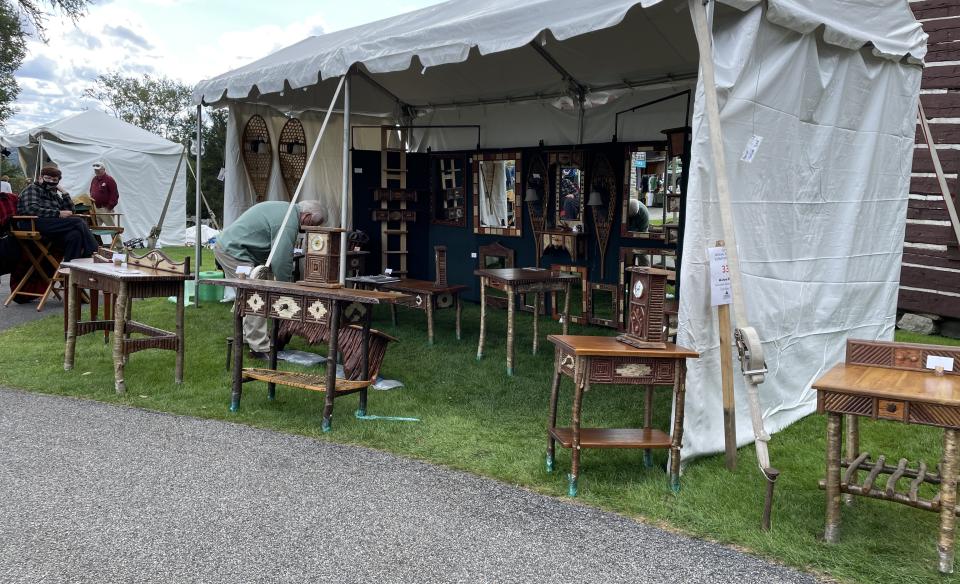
column 93, row 492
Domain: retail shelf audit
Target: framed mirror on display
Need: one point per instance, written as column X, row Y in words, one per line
column 645, row 172
column 578, row 294
column 448, row 195
column 497, row 209
column 603, row 304
column 568, row 186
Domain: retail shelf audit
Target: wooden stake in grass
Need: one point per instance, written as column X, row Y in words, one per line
column 726, row 383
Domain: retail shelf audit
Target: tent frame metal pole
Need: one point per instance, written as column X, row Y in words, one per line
column 345, row 183
column 206, row 203
column 158, row 228
column 196, row 208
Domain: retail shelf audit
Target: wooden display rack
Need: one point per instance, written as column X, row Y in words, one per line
column 393, row 197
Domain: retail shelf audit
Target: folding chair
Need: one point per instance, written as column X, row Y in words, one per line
column 43, row 261
column 114, row 231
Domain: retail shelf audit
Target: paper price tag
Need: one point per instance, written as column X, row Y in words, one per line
column 119, row 258
column 933, row 362
column 243, row 270
column 388, row 271
column 721, row 291
column 751, row 150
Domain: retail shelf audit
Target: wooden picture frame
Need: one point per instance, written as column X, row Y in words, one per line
column 477, row 168
column 496, row 250
column 594, row 314
column 555, row 297
column 448, row 189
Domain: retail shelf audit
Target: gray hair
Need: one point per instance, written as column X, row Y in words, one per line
column 316, row 210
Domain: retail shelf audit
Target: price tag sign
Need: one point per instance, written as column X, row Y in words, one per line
column 721, row 291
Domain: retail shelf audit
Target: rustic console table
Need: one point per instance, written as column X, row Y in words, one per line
column 890, row 381
column 516, row 281
column 151, row 276
column 604, row 360
column 419, row 294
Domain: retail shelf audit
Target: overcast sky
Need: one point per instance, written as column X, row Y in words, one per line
column 189, row 40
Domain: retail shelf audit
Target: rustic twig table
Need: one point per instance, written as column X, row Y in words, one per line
column 152, row 276
column 890, row 381
column 516, row 281
column 604, row 360
column 310, row 305
column 419, row 294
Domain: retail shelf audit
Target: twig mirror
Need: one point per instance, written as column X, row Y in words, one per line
column 496, row 206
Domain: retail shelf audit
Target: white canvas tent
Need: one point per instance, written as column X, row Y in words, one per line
column 142, row 163
column 819, row 212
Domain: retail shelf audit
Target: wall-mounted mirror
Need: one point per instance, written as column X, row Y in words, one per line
column 448, row 195
column 568, row 186
column 644, row 190
column 578, row 294
column 497, row 208
column 495, row 257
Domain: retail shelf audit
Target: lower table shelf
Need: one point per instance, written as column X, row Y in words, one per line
column 302, row 380
column 613, row 437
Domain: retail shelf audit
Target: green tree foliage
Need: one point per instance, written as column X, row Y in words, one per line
column 214, row 142
column 156, row 104
column 20, row 19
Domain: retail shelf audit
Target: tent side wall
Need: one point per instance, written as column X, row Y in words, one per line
column 820, row 212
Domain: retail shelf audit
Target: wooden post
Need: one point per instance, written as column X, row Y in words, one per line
column 726, row 384
column 852, row 424
column 332, row 353
column 676, row 441
column 459, row 310
column 948, row 501
column 566, row 308
column 274, row 335
column 832, row 528
column 511, row 331
column 536, row 320
column 119, row 336
column 181, row 349
column 483, row 316
column 72, row 300
column 648, row 423
column 429, row 308
column 581, row 378
column 237, row 373
column 552, row 423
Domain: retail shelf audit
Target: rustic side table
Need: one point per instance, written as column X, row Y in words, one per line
column 890, row 381
column 604, row 360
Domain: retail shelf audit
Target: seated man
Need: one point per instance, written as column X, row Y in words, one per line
column 247, row 242
column 55, row 220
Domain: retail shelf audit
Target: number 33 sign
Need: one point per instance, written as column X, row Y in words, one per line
column 720, row 289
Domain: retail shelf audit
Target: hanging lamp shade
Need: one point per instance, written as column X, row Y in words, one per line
column 595, row 200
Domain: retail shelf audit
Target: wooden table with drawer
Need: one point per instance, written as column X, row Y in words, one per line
column 592, row 360
column 889, row 381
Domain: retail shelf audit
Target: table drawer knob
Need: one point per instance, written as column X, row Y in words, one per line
column 890, row 410
column 891, row 407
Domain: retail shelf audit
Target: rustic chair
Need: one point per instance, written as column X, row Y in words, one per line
column 43, row 261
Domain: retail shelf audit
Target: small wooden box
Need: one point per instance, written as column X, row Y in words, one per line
column 321, row 256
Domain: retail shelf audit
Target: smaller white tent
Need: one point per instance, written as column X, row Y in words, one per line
column 142, row 163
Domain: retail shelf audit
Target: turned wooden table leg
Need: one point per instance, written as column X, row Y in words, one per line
column 648, row 423
column 332, row 353
column 852, row 427
column 483, row 316
column 511, row 309
column 181, row 348
column 831, row 530
column 119, row 336
column 237, row 370
column 581, row 382
column 948, row 501
column 274, row 335
column 552, row 414
column 459, row 311
column 536, row 321
column 429, row 318
column 566, row 308
column 73, row 302
column 676, row 441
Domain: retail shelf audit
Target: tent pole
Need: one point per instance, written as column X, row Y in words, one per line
column 748, row 341
column 158, row 227
column 206, row 203
column 345, row 183
column 196, row 208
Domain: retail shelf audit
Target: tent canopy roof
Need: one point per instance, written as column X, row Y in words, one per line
column 97, row 128
column 538, row 49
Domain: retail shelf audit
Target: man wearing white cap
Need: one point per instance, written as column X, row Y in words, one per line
column 103, row 191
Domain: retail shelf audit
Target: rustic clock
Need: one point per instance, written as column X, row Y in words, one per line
column 321, row 256
column 645, row 307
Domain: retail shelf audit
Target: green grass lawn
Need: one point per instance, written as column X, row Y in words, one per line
column 476, row 418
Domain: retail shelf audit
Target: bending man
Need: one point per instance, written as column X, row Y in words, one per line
column 247, row 242
column 55, row 219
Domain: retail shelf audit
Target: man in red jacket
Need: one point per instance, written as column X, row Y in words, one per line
column 103, row 191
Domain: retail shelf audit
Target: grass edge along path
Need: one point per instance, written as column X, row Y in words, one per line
column 478, row 420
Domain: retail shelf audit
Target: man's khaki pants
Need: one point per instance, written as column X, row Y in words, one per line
column 254, row 327
column 107, row 218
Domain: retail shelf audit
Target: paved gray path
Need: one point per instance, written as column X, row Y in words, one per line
column 91, row 492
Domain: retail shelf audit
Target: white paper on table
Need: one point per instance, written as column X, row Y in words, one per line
column 934, row 361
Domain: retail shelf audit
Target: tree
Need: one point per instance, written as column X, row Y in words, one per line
column 17, row 17
column 214, row 141
column 156, row 104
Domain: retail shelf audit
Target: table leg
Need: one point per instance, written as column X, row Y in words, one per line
column 274, row 334
column 119, row 337
column 483, row 316
column 331, row 367
column 948, row 501
column 365, row 363
column 107, row 314
column 832, row 527
column 459, row 310
column 511, row 309
column 429, row 318
column 237, row 389
column 852, row 426
column 181, row 348
column 566, row 308
column 648, row 423
column 676, row 441
column 393, row 313
column 72, row 315
column 554, row 392
column 581, row 382
column 536, row 321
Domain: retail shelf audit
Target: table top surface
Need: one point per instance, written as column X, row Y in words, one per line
column 378, row 280
column 347, row 294
column 883, row 382
column 591, row 346
column 125, row 272
column 516, row 275
column 410, row 285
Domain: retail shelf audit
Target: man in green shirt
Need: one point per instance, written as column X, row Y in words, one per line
column 247, row 242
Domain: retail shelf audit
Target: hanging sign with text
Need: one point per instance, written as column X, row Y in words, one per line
column 720, row 288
